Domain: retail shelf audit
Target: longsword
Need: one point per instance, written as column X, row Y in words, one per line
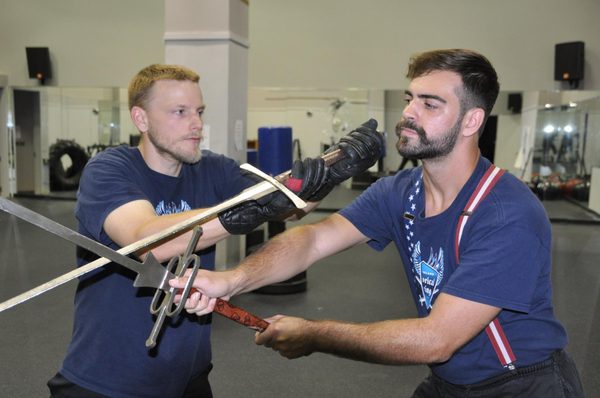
column 150, row 273
column 252, row 193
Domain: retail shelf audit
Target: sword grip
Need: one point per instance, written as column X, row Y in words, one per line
column 240, row 315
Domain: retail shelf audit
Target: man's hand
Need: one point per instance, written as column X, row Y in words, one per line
column 288, row 335
column 310, row 179
column 246, row 216
column 362, row 148
column 207, row 286
column 306, row 177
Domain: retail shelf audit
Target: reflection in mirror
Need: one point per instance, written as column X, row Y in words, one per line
column 549, row 139
column 66, row 125
column 566, row 149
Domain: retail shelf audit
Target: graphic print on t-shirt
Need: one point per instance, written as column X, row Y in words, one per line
column 428, row 274
column 163, row 208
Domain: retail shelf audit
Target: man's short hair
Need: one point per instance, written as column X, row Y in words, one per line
column 141, row 84
column 479, row 78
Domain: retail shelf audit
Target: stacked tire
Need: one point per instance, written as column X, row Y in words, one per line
column 66, row 178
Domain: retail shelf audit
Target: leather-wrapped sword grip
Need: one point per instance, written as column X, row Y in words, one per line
column 239, row 315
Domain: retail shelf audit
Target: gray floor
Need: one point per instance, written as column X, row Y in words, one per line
column 357, row 285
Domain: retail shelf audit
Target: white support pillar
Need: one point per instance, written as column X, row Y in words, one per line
column 211, row 37
column 7, row 147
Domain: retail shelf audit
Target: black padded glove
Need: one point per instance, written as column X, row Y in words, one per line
column 362, row 147
column 246, row 216
column 311, row 179
column 307, row 177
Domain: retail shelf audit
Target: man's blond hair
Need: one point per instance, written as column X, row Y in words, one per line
column 141, row 85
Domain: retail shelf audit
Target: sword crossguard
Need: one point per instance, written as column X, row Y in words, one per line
column 299, row 203
column 162, row 304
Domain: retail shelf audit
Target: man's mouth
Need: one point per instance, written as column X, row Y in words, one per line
column 406, row 131
column 406, row 128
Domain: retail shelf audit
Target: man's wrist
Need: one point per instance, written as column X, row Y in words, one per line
column 238, row 281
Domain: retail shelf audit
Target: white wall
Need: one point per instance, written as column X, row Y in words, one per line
column 308, row 43
column 309, row 113
column 350, row 43
column 92, row 43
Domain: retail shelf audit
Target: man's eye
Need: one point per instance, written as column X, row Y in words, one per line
column 429, row 105
column 179, row 112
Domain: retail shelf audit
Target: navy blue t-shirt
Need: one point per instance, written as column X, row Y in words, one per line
column 504, row 254
column 107, row 353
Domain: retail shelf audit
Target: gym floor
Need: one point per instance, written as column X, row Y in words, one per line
column 358, row 285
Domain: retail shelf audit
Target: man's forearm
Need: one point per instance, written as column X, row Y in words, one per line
column 394, row 342
column 279, row 259
column 213, row 232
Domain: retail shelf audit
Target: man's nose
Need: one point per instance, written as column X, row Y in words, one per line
column 409, row 111
column 197, row 123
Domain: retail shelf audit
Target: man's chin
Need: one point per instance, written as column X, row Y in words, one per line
column 403, row 148
column 191, row 159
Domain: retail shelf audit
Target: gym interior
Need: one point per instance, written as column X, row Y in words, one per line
column 319, row 69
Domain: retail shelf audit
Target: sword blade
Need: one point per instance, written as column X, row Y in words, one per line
column 150, row 273
column 254, row 192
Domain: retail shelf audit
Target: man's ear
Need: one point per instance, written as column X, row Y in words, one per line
column 139, row 118
column 473, row 121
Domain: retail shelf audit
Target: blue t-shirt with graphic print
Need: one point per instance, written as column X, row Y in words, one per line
column 107, row 352
column 504, row 254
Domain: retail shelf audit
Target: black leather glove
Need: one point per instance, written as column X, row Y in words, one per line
column 311, row 179
column 246, row 216
column 307, row 177
column 362, row 148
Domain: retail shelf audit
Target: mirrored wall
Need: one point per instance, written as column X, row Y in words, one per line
column 553, row 143
column 566, row 147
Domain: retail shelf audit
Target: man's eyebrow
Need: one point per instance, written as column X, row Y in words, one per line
column 187, row 106
column 427, row 96
column 198, row 109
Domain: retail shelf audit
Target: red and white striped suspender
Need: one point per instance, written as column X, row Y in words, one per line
column 494, row 329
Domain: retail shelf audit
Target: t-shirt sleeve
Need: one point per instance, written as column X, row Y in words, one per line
column 370, row 214
column 105, row 185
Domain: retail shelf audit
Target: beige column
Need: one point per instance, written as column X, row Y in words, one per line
column 211, row 37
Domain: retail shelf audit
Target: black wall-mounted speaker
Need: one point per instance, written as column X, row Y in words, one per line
column 568, row 61
column 38, row 63
column 515, row 102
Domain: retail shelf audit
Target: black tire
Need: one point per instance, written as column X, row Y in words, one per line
column 62, row 179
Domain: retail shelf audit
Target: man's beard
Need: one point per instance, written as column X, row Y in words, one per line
column 164, row 149
column 426, row 148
